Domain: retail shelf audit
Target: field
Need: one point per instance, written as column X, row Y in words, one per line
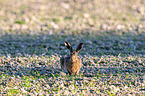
column 32, row 35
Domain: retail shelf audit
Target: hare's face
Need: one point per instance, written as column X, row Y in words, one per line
column 73, row 55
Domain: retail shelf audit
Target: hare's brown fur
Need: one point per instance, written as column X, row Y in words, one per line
column 71, row 63
column 73, row 66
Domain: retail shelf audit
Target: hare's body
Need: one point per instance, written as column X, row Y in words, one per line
column 73, row 66
column 72, row 63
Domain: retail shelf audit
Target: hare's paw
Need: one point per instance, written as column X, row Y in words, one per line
column 78, row 71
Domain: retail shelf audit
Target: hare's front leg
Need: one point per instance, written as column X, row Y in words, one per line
column 77, row 73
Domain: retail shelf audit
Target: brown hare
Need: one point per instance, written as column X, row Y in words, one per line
column 72, row 63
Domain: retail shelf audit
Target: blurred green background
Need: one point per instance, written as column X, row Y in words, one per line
column 103, row 25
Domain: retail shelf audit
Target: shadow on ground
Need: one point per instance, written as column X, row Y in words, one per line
column 94, row 44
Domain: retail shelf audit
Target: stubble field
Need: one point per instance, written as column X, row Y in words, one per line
column 32, row 35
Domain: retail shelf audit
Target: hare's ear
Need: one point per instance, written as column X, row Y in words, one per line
column 68, row 46
column 80, row 46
